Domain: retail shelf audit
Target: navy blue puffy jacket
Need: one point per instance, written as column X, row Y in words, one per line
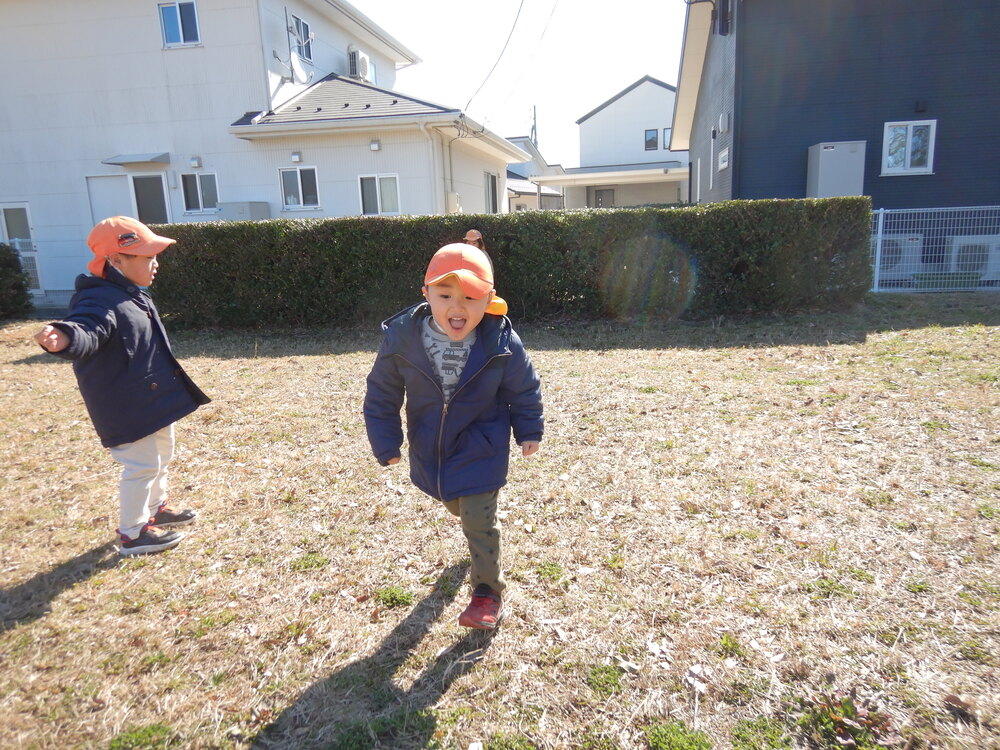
column 128, row 376
column 462, row 448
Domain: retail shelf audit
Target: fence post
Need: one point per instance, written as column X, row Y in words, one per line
column 880, row 224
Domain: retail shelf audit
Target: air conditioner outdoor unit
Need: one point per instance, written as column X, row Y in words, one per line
column 976, row 254
column 360, row 64
column 900, row 257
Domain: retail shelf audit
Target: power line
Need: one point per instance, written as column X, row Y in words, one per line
column 499, row 57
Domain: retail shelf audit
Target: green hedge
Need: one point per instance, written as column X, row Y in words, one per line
column 722, row 258
column 15, row 299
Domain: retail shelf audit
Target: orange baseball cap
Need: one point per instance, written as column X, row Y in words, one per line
column 473, row 269
column 123, row 234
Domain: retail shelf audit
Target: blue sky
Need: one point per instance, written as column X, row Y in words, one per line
column 565, row 58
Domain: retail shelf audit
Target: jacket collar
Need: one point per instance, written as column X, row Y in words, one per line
column 492, row 333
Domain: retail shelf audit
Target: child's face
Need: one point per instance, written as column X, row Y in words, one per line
column 455, row 313
column 139, row 269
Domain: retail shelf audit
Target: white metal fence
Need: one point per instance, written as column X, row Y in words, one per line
column 936, row 249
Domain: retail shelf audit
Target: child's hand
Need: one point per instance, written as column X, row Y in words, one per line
column 52, row 339
column 529, row 446
column 393, row 461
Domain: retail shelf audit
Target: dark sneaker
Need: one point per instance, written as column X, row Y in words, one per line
column 485, row 611
column 151, row 539
column 167, row 518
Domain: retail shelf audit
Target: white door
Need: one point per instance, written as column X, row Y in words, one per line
column 109, row 196
column 15, row 230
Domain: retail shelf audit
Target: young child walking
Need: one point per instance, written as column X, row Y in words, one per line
column 468, row 383
column 132, row 385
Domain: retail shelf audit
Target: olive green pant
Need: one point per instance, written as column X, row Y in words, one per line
column 478, row 514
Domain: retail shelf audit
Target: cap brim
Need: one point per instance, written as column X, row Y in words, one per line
column 472, row 285
column 153, row 246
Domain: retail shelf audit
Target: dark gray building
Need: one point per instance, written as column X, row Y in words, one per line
column 890, row 98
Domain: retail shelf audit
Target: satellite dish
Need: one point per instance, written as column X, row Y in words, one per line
column 299, row 74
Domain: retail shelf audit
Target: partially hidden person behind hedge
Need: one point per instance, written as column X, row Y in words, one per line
column 475, row 238
column 131, row 383
column 468, row 383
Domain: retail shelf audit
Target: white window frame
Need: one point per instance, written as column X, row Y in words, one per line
column 285, row 206
column 907, row 169
column 175, row 7
column 25, row 247
column 491, row 194
column 303, row 44
column 199, row 177
column 378, row 193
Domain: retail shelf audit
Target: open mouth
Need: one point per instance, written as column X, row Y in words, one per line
column 457, row 324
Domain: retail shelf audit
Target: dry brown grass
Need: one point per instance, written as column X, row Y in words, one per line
column 724, row 518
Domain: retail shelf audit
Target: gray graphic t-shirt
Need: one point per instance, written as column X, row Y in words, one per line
column 447, row 357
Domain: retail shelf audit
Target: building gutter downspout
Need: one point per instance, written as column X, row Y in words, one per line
column 436, row 179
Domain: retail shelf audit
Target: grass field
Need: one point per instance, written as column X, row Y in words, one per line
column 732, row 528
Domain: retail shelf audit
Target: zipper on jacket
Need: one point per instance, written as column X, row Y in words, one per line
column 444, row 410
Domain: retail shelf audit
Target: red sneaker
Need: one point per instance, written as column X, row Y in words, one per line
column 485, row 611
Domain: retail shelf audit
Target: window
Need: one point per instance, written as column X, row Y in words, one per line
column 666, row 139
column 200, row 192
column 520, row 206
column 150, row 191
column 180, row 24
column 379, row 194
column 299, row 188
column 908, row 147
column 651, row 142
column 492, row 206
column 303, row 38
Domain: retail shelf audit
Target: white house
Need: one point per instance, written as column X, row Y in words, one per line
column 217, row 109
column 524, row 195
column 625, row 156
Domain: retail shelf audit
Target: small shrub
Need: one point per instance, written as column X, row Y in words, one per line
column 310, row 561
column 675, row 735
column 761, row 733
column 150, row 737
column 729, row 646
column 391, row 597
column 604, row 680
column 15, row 299
column 843, row 721
column 502, row 741
column 550, row 571
column 915, row 586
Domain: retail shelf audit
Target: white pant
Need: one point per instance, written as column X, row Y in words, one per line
column 143, row 488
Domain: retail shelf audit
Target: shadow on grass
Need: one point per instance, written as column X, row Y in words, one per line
column 32, row 599
column 360, row 707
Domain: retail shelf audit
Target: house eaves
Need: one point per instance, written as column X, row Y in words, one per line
column 672, row 171
column 366, row 30
column 697, row 29
column 620, row 94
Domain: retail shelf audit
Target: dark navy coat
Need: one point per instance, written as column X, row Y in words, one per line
column 462, row 448
column 128, row 376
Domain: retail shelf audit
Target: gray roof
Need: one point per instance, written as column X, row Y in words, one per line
column 336, row 98
column 527, row 187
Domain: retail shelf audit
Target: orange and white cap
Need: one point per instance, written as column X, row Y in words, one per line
column 473, row 269
column 123, row 234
